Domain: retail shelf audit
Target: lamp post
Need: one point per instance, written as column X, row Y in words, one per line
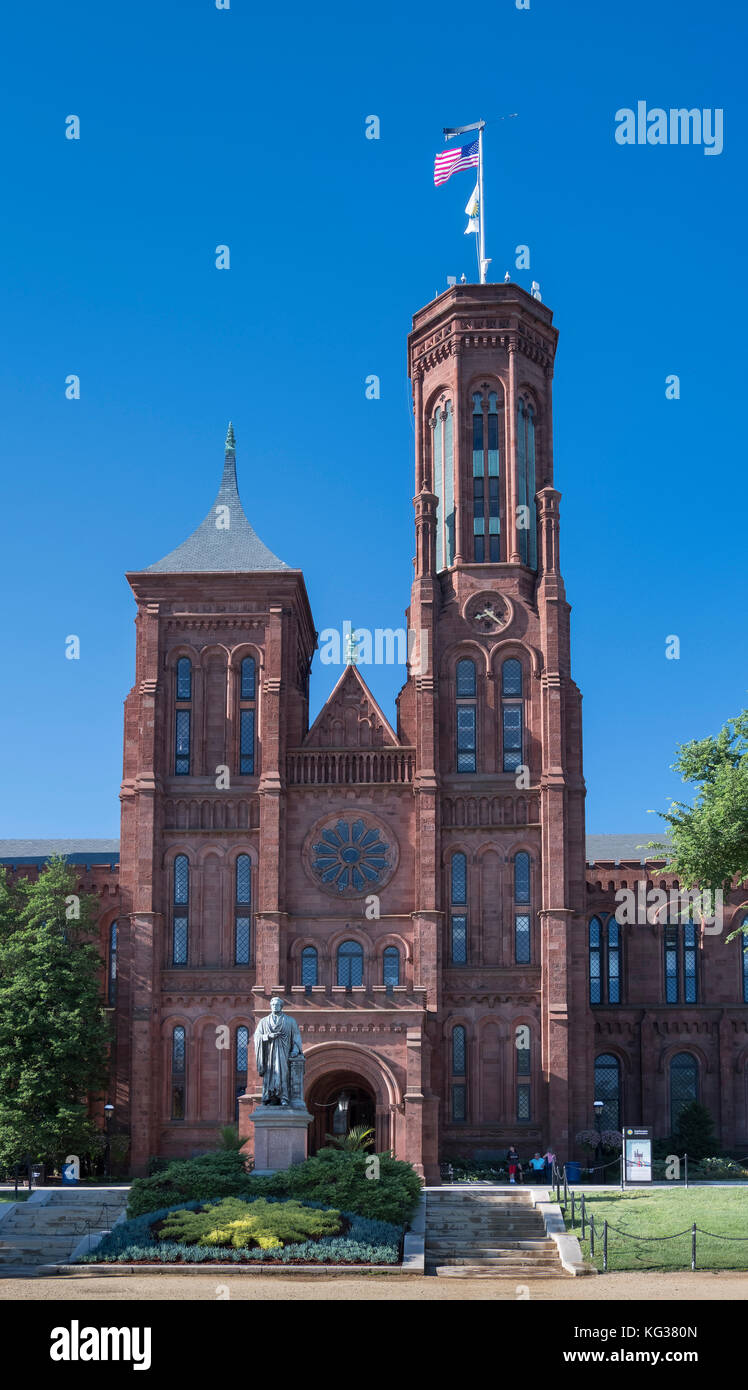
column 598, row 1108
column 108, row 1112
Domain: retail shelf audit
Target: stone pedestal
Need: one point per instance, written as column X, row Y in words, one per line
column 281, row 1135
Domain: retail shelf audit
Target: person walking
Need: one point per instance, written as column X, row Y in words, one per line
column 550, row 1163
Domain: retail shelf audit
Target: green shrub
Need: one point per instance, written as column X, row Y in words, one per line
column 332, row 1179
column 245, row 1224
column 365, row 1242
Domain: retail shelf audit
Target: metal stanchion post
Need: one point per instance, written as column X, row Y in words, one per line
column 566, row 1189
column 622, row 1161
column 685, row 1163
column 573, row 1209
column 605, row 1247
column 592, row 1235
column 693, row 1246
column 584, row 1215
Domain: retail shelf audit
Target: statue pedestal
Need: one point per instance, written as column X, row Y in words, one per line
column 280, row 1137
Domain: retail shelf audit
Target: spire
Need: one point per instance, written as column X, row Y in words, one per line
column 224, row 542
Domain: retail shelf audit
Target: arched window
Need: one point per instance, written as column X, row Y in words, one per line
column 390, row 967
column 444, row 485
column 111, row 978
column 486, row 504
column 350, row 964
column 522, row 919
column 604, row 944
column 178, row 1073
column 247, row 716
column 459, row 1072
column 511, row 714
column 527, row 529
column 183, row 718
column 523, row 1069
column 466, row 693
column 242, row 911
column 458, row 904
column 684, row 1085
column 608, row 1089
column 309, row 967
column 180, row 921
column 240, row 1075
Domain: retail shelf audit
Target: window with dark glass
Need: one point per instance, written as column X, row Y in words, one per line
column 444, row 484
column 458, row 904
column 527, row 533
column 684, row 1085
column 391, row 967
column 522, row 1071
column 309, row 967
column 178, row 1073
column 242, row 913
column 486, row 498
column 350, row 964
column 604, row 961
column 681, row 980
column 183, row 718
column 608, row 1090
column 466, row 692
column 247, row 716
column 240, row 1075
column 180, row 923
column 511, row 714
column 521, row 899
column 111, row 989
column 459, row 1070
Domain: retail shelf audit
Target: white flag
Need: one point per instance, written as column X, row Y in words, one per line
column 471, row 211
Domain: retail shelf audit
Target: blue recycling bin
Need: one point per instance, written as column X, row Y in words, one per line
column 573, row 1172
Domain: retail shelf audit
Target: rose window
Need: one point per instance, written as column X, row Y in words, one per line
column 349, row 856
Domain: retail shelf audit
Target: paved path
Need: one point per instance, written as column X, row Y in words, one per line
column 685, row 1286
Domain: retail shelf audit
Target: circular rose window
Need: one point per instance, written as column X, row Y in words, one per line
column 350, row 856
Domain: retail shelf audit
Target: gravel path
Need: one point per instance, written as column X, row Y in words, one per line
column 605, row 1287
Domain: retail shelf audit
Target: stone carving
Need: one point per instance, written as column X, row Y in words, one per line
column 278, row 1046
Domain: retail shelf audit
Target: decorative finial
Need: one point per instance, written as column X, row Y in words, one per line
column 230, row 441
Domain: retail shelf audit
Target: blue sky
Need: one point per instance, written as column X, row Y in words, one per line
column 202, row 127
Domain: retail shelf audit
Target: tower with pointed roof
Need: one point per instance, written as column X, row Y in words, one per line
column 224, row 641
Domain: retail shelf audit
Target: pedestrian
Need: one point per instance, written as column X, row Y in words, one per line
column 513, row 1163
column 550, row 1163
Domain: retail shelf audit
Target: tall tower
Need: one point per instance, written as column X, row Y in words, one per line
column 496, row 721
column 223, row 650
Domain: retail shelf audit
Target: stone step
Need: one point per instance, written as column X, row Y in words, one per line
column 481, row 1271
column 509, row 1245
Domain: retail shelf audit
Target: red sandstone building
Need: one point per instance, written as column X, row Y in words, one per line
column 419, row 892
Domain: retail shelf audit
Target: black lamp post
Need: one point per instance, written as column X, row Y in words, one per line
column 108, row 1112
column 598, row 1108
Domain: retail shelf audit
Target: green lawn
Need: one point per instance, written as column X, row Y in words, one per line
column 8, row 1197
column 722, row 1211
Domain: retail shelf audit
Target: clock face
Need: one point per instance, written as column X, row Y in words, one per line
column 487, row 613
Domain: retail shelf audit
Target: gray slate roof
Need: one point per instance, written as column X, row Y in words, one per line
column 599, row 848
column 628, row 847
column 213, row 549
column 77, row 851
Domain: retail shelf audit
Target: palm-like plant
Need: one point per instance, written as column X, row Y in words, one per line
column 357, row 1139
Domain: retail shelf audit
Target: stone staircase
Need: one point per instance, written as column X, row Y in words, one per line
column 496, row 1234
column 47, row 1228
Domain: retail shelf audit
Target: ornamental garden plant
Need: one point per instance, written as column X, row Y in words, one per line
column 239, row 1230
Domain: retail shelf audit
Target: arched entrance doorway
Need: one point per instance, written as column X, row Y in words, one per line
column 339, row 1102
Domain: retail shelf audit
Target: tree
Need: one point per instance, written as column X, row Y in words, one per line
column 694, row 1134
column 709, row 847
column 54, row 1037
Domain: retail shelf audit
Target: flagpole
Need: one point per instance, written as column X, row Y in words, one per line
column 482, row 237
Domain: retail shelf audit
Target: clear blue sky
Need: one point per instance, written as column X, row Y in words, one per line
column 246, row 127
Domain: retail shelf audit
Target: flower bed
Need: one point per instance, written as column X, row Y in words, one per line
column 365, row 1241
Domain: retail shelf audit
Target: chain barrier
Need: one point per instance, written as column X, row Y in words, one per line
column 691, row 1231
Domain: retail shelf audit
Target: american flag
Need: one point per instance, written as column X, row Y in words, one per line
column 449, row 162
